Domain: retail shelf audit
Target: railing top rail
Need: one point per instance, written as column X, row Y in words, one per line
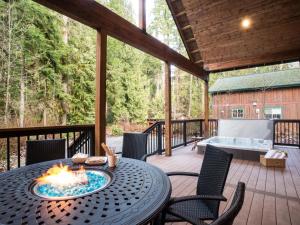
column 15, row 132
column 152, row 127
column 184, row 120
column 173, row 121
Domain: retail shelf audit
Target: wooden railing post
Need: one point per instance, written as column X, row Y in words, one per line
column 100, row 117
column 201, row 128
column 168, row 112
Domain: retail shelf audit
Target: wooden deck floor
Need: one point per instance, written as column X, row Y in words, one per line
column 272, row 195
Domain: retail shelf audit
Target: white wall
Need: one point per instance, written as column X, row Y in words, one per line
column 262, row 129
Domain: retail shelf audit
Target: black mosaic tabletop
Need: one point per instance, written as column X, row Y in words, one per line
column 136, row 195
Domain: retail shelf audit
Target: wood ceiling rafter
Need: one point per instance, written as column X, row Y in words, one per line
column 96, row 16
column 185, row 30
column 274, row 35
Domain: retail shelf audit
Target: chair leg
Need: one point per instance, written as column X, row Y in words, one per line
column 161, row 218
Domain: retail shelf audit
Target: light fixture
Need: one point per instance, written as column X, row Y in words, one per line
column 246, row 23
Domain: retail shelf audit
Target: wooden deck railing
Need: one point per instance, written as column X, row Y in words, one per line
column 182, row 133
column 286, row 132
column 79, row 138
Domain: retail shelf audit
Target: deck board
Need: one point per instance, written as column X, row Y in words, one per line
column 272, row 195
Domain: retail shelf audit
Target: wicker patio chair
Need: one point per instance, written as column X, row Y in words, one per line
column 211, row 181
column 228, row 217
column 135, row 146
column 45, row 150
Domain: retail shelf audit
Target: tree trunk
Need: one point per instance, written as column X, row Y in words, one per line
column 7, row 97
column 190, row 96
column 65, row 79
column 22, row 94
column 174, row 91
column 45, row 106
column 45, row 116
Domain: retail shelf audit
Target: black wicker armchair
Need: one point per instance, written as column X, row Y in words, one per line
column 211, row 181
column 45, row 150
column 228, row 217
column 135, row 146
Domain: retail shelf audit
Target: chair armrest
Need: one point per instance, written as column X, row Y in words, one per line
column 197, row 197
column 182, row 174
column 144, row 157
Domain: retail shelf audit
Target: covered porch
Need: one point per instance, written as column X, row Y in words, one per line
column 218, row 37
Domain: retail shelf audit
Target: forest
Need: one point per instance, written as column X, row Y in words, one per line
column 47, row 70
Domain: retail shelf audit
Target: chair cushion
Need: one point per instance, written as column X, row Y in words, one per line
column 192, row 210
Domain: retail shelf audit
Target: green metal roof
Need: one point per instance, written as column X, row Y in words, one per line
column 280, row 79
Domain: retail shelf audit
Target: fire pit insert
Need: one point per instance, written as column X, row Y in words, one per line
column 61, row 183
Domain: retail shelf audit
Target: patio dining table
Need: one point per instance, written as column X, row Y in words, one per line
column 136, row 195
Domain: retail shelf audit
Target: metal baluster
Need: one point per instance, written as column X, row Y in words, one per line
column 7, row 153
column 184, row 133
column 19, row 152
column 68, row 145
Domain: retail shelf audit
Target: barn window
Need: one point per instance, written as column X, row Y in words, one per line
column 273, row 113
column 237, row 113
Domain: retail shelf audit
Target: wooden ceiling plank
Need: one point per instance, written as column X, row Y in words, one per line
column 95, row 15
column 184, row 35
column 223, row 44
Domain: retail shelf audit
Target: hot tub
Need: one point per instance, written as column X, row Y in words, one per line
column 241, row 148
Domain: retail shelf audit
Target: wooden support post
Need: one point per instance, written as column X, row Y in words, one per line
column 168, row 110
column 100, row 109
column 142, row 15
column 206, row 109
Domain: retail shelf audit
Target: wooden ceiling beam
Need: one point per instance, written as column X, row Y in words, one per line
column 267, row 59
column 195, row 51
column 186, row 27
column 180, row 14
column 95, row 15
column 199, row 61
column 186, row 35
column 191, row 39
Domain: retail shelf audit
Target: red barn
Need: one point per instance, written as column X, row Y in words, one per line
column 274, row 95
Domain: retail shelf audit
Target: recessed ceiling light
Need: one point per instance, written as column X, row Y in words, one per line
column 246, row 23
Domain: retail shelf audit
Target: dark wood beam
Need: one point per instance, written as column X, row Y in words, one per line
column 206, row 109
column 168, row 110
column 179, row 28
column 142, row 15
column 95, row 15
column 100, row 108
column 266, row 59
